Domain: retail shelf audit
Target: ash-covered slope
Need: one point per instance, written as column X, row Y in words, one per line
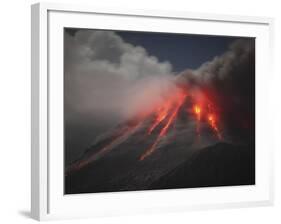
column 222, row 164
column 114, row 162
column 147, row 152
column 120, row 168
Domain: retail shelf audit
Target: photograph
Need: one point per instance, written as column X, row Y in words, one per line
column 156, row 111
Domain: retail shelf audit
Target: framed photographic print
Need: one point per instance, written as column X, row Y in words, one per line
column 145, row 111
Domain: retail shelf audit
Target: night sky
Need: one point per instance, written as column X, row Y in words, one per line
column 182, row 50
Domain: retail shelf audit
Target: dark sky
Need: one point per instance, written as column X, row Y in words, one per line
column 182, row 50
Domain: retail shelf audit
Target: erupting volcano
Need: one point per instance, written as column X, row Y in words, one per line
column 166, row 114
column 161, row 119
column 185, row 125
column 141, row 116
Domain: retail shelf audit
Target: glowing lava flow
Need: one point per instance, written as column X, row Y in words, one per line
column 151, row 149
column 161, row 115
column 213, row 123
column 172, row 117
column 197, row 112
column 206, row 111
column 121, row 137
column 179, row 101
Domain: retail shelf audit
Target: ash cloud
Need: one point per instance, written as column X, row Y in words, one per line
column 229, row 80
column 224, row 67
column 106, row 80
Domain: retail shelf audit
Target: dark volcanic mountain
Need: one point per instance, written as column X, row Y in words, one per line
column 222, row 164
column 118, row 167
column 178, row 144
column 113, row 162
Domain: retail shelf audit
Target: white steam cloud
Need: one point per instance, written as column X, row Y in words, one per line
column 105, row 76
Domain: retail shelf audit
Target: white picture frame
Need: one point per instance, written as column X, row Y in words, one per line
column 47, row 198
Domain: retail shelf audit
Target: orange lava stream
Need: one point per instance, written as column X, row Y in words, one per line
column 213, row 123
column 151, row 149
column 165, row 129
column 172, row 117
column 197, row 110
column 161, row 115
column 78, row 165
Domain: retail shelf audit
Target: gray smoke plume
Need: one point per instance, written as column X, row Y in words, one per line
column 229, row 80
column 106, row 81
column 224, row 67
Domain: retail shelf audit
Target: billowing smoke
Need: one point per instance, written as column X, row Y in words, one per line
column 106, row 81
column 104, row 74
column 226, row 66
column 229, row 80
